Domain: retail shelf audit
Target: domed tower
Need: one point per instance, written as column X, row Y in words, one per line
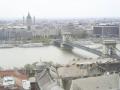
column 29, row 21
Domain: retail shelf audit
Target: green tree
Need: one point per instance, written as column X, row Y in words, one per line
column 29, row 69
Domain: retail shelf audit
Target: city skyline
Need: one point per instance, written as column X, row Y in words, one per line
column 59, row 8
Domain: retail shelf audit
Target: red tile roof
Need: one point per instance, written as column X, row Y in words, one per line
column 13, row 73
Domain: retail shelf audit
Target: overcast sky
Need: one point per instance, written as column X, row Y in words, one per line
column 59, row 8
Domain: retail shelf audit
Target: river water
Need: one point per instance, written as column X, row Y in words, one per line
column 18, row 57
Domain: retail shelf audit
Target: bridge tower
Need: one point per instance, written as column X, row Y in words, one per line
column 109, row 48
column 66, row 37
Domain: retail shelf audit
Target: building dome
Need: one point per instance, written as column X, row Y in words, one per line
column 29, row 21
column 28, row 16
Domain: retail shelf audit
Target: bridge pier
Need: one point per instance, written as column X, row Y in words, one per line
column 66, row 37
column 109, row 48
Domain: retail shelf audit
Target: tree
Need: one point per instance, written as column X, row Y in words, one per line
column 29, row 69
column 83, row 34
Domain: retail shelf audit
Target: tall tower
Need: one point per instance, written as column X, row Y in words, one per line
column 34, row 20
column 23, row 20
column 29, row 21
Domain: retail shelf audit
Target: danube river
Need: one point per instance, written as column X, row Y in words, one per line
column 18, row 57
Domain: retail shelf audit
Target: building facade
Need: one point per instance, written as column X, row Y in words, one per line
column 106, row 31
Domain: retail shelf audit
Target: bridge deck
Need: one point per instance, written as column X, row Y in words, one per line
column 94, row 51
column 99, row 53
